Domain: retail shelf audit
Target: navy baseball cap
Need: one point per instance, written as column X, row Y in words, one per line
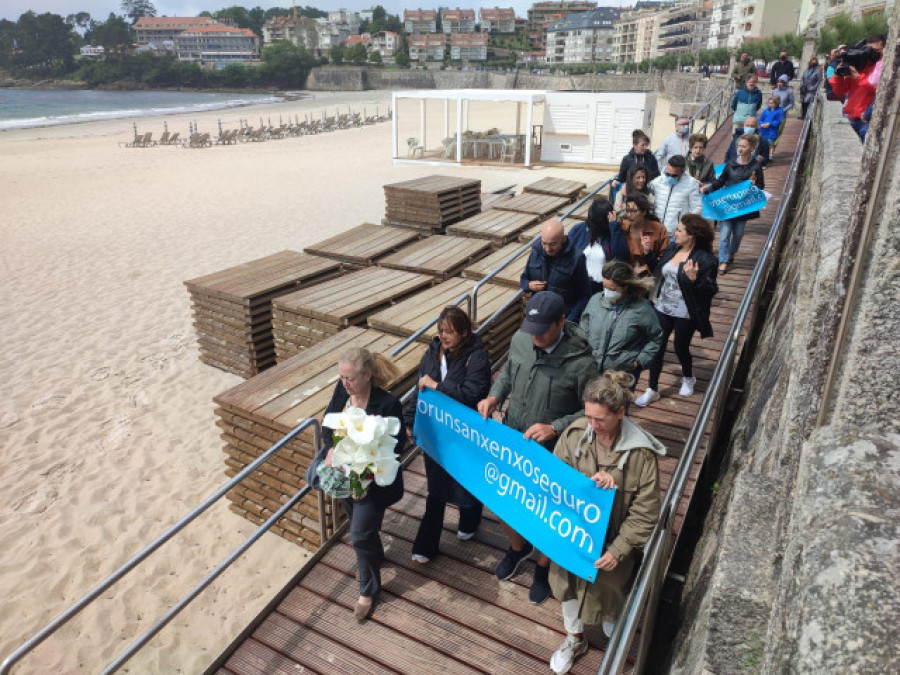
column 543, row 310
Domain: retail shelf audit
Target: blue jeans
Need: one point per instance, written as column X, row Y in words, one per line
column 861, row 127
column 730, row 234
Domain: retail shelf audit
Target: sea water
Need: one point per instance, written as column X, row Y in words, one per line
column 22, row 108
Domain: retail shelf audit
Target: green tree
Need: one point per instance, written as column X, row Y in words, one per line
column 286, row 65
column 356, row 54
column 401, row 59
column 43, row 44
column 336, row 55
column 7, row 41
column 375, row 57
column 135, row 9
column 114, row 35
column 842, row 30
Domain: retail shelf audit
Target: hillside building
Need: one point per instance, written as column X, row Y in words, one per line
column 497, row 20
column 300, row 31
column 583, row 37
column 420, row 21
column 158, row 29
column 468, row 46
column 217, row 45
column 427, row 47
column 458, row 20
column 540, row 14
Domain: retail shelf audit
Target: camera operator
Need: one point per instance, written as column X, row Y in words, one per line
column 854, row 78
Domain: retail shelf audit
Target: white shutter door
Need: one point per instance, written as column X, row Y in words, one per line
column 627, row 120
column 601, row 151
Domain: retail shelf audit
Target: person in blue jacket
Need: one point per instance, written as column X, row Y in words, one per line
column 555, row 264
column 600, row 238
column 770, row 120
column 746, row 102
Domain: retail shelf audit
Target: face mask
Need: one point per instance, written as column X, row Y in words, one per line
column 671, row 181
column 612, row 296
column 749, row 130
column 682, row 130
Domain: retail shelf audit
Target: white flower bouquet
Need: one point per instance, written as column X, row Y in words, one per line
column 363, row 451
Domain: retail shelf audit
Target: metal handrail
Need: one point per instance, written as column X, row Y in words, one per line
column 412, row 338
column 644, row 593
column 57, row 623
column 719, row 100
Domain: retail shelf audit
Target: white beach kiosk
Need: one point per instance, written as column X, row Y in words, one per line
column 524, row 127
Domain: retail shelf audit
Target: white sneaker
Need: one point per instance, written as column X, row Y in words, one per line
column 608, row 628
column 646, row 398
column 687, row 386
column 421, row 559
column 564, row 658
column 464, row 536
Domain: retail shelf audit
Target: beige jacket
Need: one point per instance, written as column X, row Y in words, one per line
column 635, row 469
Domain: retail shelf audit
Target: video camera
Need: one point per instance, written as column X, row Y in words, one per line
column 860, row 56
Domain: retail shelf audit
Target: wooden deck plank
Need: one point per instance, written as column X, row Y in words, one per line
column 556, row 187
column 363, row 244
column 540, row 205
column 508, row 276
column 495, row 225
column 440, row 255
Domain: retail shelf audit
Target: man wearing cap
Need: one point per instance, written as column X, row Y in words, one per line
column 555, row 264
column 549, row 363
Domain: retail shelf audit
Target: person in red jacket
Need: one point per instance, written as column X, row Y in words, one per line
column 860, row 93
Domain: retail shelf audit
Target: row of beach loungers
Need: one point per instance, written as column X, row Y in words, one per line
column 246, row 133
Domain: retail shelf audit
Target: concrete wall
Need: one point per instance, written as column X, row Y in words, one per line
column 797, row 568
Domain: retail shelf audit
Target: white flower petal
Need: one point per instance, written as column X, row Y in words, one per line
column 385, row 471
column 334, row 421
column 393, row 425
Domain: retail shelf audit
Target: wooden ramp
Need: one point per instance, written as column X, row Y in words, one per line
column 453, row 615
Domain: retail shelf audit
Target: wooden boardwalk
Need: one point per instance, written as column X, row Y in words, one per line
column 452, row 615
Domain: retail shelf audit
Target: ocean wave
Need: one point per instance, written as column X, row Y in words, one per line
column 93, row 116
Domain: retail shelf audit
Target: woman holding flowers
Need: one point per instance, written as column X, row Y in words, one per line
column 359, row 389
column 456, row 365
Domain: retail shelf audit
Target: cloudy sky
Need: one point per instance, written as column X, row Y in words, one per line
column 100, row 9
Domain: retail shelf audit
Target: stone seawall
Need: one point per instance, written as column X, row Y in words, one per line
column 681, row 87
column 797, row 568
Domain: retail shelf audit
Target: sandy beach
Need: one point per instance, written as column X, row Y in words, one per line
column 107, row 432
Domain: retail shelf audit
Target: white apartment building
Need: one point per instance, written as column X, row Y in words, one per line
column 217, row 45
column 733, row 21
column 814, row 13
column 468, row 46
column 427, row 47
column 498, row 20
column 636, row 34
column 458, row 20
column 300, row 31
column 385, row 42
column 583, row 37
column 420, row 20
column 683, row 27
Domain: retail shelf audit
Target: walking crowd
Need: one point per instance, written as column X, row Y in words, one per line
column 605, row 298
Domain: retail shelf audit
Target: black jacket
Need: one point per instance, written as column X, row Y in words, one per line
column 734, row 173
column 565, row 274
column 380, row 403
column 780, row 68
column 468, row 374
column 697, row 294
column 648, row 159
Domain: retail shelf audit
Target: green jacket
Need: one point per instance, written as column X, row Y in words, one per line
column 635, row 469
column 545, row 388
column 618, row 339
column 741, row 71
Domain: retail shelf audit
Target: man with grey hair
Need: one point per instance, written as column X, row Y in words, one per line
column 675, row 144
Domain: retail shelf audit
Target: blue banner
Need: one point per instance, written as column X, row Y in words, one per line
column 733, row 201
column 559, row 510
column 719, row 168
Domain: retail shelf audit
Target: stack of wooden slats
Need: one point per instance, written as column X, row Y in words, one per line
column 529, row 202
column 498, row 227
column 509, row 276
column 431, row 203
column 303, row 319
column 406, row 317
column 439, row 255
column 259, row 412
column 530, row 233
column 364, row 244
column 556, row 187
column 233, row 308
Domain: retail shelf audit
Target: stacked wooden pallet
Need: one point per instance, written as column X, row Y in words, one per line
column 556, row 187
column 259, row 412
column 530, row 233
column 431, row 203
column 301, row 320
column 539, row 205
column 439, row 255
column 363, row 244
column 510, row 275
column 406, row 317
column 233, row 308
column 498, row 227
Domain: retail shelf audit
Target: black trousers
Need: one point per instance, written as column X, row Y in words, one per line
column 442, row 488
column 684, row 331
column 365, row 522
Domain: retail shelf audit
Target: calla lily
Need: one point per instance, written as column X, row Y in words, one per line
column 385, row 471
column 335, row 421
